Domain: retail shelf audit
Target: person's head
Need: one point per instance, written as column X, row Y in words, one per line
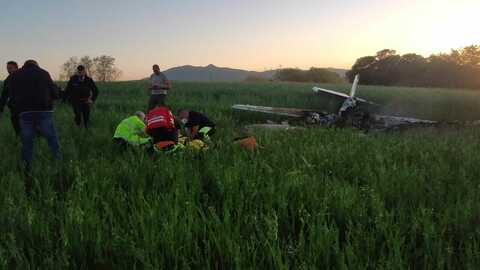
column 156, row 69
column 12, row 66
column 140, row 115
column 30, row 62
column 183, row 114
column 81, row 70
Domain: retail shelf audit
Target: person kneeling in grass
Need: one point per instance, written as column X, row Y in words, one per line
column 197, row 125
column 161, row 127
column 131, row 131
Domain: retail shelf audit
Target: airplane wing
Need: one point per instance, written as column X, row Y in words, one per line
column 289, row 112
column 319, row 90
column 389, row 121
column 353, row 93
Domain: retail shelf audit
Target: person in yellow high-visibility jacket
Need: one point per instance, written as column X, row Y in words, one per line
column 131, row 131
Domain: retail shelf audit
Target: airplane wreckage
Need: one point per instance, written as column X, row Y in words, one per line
column 354, row 112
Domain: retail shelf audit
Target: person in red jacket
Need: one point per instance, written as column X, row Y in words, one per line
column 161, row 127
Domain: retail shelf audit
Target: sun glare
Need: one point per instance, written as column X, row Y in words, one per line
column 447, row 26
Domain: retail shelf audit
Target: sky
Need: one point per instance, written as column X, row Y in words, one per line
column 248, row 34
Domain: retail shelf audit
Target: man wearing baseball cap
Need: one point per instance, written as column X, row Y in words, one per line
column 82, row 92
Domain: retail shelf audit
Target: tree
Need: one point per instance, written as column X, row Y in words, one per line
column 291, row 75
column 317, row 75
column 105, row 69
column 459, row 68
column 456, row 56
column 411, row 69
column 441, row 72
column 321, row 75
column 387, row 70
column 363, row 66
column 69, row 68
column 87, row 62
column 101, row 68
column 384, row 54
column 470, row 55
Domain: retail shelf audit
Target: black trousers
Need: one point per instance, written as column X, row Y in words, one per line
column 82, row 113
column 163, row 134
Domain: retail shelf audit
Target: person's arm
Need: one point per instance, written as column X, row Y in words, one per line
column 192, row 132
column 145, row 128
column 52, row 87
column 166, row 83
column 5, row 96
column 140, row 128
column 57, row 91
column 139, row 135
column 149, row 83
column 138, row 140
column 177, row 123
column 68, row 89
column 94, row 90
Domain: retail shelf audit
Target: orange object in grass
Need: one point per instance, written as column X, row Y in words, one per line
column 248, row 143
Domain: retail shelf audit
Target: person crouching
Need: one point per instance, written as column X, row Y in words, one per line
column 131, row 132
column 162, row 130
column 197, row 125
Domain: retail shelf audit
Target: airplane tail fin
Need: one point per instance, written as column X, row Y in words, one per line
column 353, row 92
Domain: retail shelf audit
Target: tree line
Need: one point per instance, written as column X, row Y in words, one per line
column 457, row 69
column 316, row 75
column 101, row 68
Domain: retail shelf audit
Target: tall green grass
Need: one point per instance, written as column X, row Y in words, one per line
column 311, row 199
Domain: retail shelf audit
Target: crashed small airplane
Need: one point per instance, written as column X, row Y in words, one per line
column 355, row 112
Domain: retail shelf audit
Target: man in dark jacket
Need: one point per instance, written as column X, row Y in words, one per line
column 197, row 125
column 81, row 91
column 6, row 98
column 33, row 91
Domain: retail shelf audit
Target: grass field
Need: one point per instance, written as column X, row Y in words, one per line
column 312, row 199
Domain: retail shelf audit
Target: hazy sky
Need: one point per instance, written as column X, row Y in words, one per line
column 249, row 34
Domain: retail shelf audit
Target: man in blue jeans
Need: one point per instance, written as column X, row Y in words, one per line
column 33, row 92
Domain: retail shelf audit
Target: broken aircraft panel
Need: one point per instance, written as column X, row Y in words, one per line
column 289, row 112
column 350, row 113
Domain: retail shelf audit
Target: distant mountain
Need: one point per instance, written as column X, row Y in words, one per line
column 214, row 73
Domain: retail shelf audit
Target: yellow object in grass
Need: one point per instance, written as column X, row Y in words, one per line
column 194, row 144
column 197, row 145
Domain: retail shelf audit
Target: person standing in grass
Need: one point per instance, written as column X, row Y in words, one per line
column 197, row 125
column 33, row 91
column 82, row 92
column 6, row 98
column 158, row 87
